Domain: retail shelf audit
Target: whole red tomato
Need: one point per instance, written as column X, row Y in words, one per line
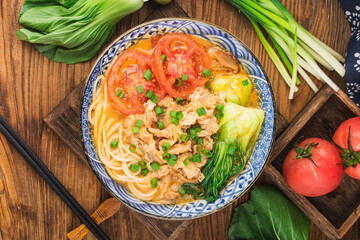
column 347, row 138
column 313, row 168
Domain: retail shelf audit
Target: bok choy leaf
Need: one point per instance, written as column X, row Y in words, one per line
column 71, row 31
column 239, row 130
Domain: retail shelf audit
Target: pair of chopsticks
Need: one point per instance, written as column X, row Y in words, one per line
column 50, row 179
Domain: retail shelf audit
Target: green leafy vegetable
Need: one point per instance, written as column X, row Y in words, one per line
column 71, row 31
column 268, row 215
column 239, row 130
column 193, row 189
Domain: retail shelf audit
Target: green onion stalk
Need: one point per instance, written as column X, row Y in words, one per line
column 239, row 130
column 283, row 29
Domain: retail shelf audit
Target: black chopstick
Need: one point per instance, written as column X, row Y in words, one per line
column 46, row 174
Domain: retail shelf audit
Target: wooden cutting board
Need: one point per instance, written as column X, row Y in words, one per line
column 64, row 121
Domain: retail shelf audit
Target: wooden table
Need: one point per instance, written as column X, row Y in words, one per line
column 31, row 86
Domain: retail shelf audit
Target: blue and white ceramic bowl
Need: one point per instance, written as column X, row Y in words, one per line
column 237, row 186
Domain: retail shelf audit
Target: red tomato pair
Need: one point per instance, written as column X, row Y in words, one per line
column 176, row 68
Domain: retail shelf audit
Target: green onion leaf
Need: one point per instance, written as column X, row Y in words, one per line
column 144, row 172
column 114, row 143
column 179, row 100
column 220, row 107
column 173, row 114
column 201, row 111
column 134, row 167
column 140, row 89
column 197, row 157
column 159, row 110
column 155, row 166
column 173, row 157
column 206, row 153
column 206, row 73
column 184, row 137
column 139, row 123
column 178, row 82
column 181, row 191
column 166, row 156
column 149, row 94
column 142, row 164
column 219, row 115
column 166, row 146
column 132, row 148
column 147, row 75
column 171, row 162
column 200, row 141
column 160, row 125
column 184, row 77
column 187, row 161
column 154, row 98
column 179, row 115
column 245, row 82
column 118, row 92
column 154, row 182
column 135, row 130
column 163, row 57
column 174, row 121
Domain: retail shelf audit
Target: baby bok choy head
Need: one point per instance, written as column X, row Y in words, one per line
column 71, row 31
column 239, row 130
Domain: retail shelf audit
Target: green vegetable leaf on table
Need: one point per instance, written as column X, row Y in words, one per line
column 71, row 31
column 268, row 215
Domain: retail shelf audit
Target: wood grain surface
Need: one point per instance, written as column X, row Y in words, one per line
column 31, row 86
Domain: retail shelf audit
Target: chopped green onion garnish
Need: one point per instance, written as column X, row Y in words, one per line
column 179, row 115
column 155, row 166
column 154, row 98
column 166, row 156
column 197, row 157
column 173, row 157
column 163, row 57
column 206, row 73
column 193, row 131
column 114, row 143
column 199, row 147
column 201, row 111
column 149, row 94
column 166, row 146
column 122, row 94
column 184, row 137
column 142, row 164
column 219, row 115
column 139, row 123
column 206, row 153
column 178, row 82
column 154, row 182
column 179, row 100
column 171, row 162
column 200, row 141
column 174, row 121
column 132, row 148
column 144, row 172
column 159, row 110
column 194, row 137
column 220, row 107
column 134, row 167
column 135, row 130
column 147, row 75
column 187, row 161
column 245, row 82
column 207, row 85
column 160, row 125
column 118, row 92
column 231, row 150
column 140, row 89
column 173, row 114
column 181, row 191
column 184, row 77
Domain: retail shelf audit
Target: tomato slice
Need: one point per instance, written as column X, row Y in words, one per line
column 126, row 75
column 183, row 56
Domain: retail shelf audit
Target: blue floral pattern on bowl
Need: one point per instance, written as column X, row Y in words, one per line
column 238, row 185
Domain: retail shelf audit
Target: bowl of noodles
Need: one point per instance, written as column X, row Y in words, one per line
column 177, row 118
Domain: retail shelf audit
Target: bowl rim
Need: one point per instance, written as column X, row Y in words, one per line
column 81, row 118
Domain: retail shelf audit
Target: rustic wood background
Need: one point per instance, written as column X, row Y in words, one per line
column 31, row 86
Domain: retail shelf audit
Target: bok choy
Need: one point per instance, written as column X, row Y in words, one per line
column 305, row 53
column 71, row 31
column 239, row 130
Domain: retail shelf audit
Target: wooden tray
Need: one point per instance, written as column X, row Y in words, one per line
column 337, row 211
